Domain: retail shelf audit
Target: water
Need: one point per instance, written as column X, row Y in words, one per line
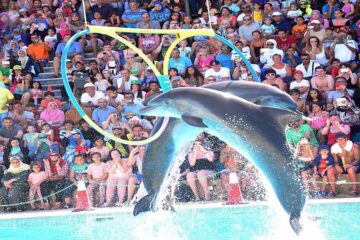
column 323, row 220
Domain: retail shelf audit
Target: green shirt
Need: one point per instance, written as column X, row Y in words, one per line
column 294, row 137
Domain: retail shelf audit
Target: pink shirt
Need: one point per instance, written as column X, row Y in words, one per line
column 97, row 171
column 37, row 178
column 203, row 64
column 104, row 151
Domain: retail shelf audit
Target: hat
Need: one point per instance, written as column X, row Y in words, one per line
column 68, row 60
column 295, row 90
column 323, row 147
column 298, row 72
column 135, row 82
column 340, row 135
column 89, row 85
column 17, row 67
column 214, row 62
column 315, row 21
column 277, row 14
column 14, row 158
column 80, row 61
column 129, row 115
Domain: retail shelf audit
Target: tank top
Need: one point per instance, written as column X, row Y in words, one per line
column 321, row 58
column 280, row 72
column 202, row 164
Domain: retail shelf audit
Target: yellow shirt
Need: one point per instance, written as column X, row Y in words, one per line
column 257, row 16
column 5, row 97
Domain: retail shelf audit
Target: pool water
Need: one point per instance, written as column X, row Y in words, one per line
column 323, row 220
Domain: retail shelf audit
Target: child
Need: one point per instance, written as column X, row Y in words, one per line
column 97, row 175
column 187, row 23
column 46, row 128
column 300, row 28
column 101, row 84
column 43, row 148
column 78, row 170
column 348, row 9
column 82, row 148
column 324, row 168
column 257, row 13
column 67, row 8
column 31, row 140
column 98, row 20
column 51, row 40
column 35, row 179
column 293, row 11
column 185, row 51
column 36, row 92
column 268, row 28
column 295, row 94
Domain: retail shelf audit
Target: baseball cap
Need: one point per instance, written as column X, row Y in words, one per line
column 340, row 135
column 324, row 147
column 277, row 14
column 316, row 21
column 298, row 72
column 89, row 85
column 17, row 67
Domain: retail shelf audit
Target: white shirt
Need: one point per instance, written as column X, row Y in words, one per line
column 127, row 83
column 245, row 51
column 343, row 53
column 310, row 71
column 85, row 97
column 224, row 72
column 118, row 98
column 303, row 83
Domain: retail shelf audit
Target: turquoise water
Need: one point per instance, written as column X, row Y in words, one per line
column 332, row 221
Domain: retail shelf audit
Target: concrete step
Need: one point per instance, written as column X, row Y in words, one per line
column 87, row 60
column 46, row 75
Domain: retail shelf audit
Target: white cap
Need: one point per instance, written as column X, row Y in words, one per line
column 316, row 21
column 89, row 85
column 277, row 14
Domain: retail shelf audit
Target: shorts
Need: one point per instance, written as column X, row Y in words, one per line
column 99, row 42
column 305, row 166
column 357, row 169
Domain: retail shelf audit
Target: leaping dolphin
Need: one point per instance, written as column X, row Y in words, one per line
column 256, row 132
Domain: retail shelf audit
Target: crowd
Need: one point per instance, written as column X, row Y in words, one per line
column 306, row 48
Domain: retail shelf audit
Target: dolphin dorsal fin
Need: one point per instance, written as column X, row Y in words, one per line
column 193, row 121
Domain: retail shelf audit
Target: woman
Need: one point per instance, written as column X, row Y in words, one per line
column 201, row 166
column 76, row 25
column 314, row 96
column 271, row 79
column 203, row 59
column 139, row 94
column 318, row 120
column 58, row 171
column 339, row 21
column 16, row 185
column 258, row 43
column 59, row 18
column 316, row 15
column 333, row 126
column 21, row 86
column 160, row 13
column 173, row 17
column 27, row 63
column 282, row 70
column 15, row 148
column 267, row 53
column 317, row 51
column 193, row 77
column 53, row 115
column 225, row 14
column 135, row 68
column 135, row 161
column 119, row 174
column 350, row 77
column 304, row 156
column 64, row 30
column 148, row 42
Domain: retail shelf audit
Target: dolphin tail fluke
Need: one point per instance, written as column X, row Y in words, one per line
column 144, row 204
column 295, row 223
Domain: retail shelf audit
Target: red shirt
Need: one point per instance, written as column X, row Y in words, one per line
column 284, row 45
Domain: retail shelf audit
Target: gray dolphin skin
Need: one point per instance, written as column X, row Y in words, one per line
column 256, row 132
column 160, row 154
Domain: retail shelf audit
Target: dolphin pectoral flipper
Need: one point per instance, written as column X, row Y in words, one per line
column 193, row 121
column 144, row 204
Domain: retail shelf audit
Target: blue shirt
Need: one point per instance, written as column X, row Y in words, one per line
column 100, row 115
column 180, row 64
column 135, row 108
column 130, row 15
column 326, row 8
column 330, row 160
column 75, row 47
column 225, row 60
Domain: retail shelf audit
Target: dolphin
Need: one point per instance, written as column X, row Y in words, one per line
column 256, row 132
column 160, row 154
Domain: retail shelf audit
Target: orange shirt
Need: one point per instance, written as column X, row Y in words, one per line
column 44, row 103
column 40, row 51
column 299, row 30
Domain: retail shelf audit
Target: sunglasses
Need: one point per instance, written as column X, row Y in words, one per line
column 270, row 44
column 270, row 74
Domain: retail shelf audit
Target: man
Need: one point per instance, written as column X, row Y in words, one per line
column 103, row 57
column 113, row 97
column 340, row 91
column 325, row 83
column 315, row 30
column 206, row 21
column 118, row 130
column 307, row 67
column 279, row 21
column 91, row 97
column 347, row 159
column 19, row 115
column 101, row 113
column 104, row 9
column 220, row 73
column 133, row 15
column 246, row 11
column 179, row 62
column 75, row 51
column 329, row 9
column 39, row 51
column 285, row 40
column 299, row 130
column 49, row 97
column 80, row 76
column 146, row 20
column 124, row 83
column 344, row 49
column 246, row 30
column 154, row 87
column 225, row 57
column 6, row 97
column 9, row 130
column 88, row 133
column 128, row 105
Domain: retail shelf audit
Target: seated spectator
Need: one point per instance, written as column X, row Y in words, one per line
column 178, row 62
column 301, row 84
column 299, row 130
column 113, row 97
column 325, row 83
column 159, row 13
column 351, row 78
column 333, row 126
column 39, row 51
column 315, row 30
column 318, row 120
column 136, row 89
column 324, row 168
column 317, row 52
column 246, row 30
column 132, row 15
column 285, row 40
column 201, row 167
column 226, row 15
column 58, row 171
column 224, row 57
column 119, row 130
column 129, row 106
column 36, row 92
column 16, row 186
column 124, row 83
column 220, row 73
column 102, row 58
column 203, row 59
column 96, row 175
column 307, row 67
column 10, row 130
column 295, row 94
column 282, row 70
column 135, row 68
column 102, row 112
column 340, row 91
column 73, row 115
column 31, row 139
column 27, row 63
column 53, row 115
column 88, row 133
column 346, row 156
column 15, row 148
column 99, row 146
column 19, row 115
column 271, row 79
column 344, row 48
column 267, row 53
column 119, row 174
column 147, row 20
column 193, row 77
column 316, row 15
column 91, row 97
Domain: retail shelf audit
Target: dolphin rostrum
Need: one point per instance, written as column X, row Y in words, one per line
column 256, row 132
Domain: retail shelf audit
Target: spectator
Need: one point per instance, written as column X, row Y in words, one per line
column 301, row 84
column 53, row 115
column 271, row 79
column 295, row 94
column 178, row 62
column 9, row 130
column 318, row 53
column 99, row 146
column 132, row 16
column 102, row 112
column 159, row 13
column 282, row 70
column 193, row 77
column 267, row 53
column 225, row 57
column 246, row 30
column 35, row 179
column 318, row 120
column 299, row 130
column 96, row 175
column 124, row 83
column 285, row 40
column 220, row 73
column 315, row 30
column 343, row 48
column 128, row 105
column 307, row 67
column 91, row 97
column 334, row 126
column 39, row 51
column 322, row 81
column 5, row 98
